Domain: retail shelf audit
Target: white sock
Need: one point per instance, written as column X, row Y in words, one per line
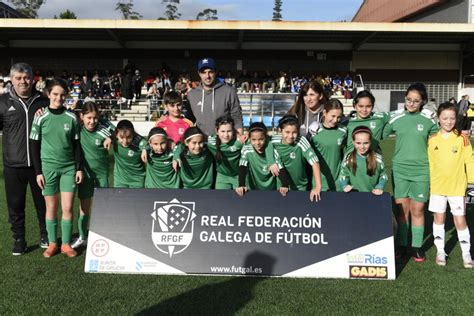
column 438, row 234
column 465, row 241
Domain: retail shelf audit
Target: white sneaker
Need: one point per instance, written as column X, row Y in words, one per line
column 441, row 259
column 467, row 261
column 78, row 243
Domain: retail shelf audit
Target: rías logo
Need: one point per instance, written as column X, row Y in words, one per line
column 173, row 225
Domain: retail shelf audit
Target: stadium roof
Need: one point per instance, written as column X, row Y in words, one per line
column 248, row 35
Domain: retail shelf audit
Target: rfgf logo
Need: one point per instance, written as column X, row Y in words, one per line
column 173, row 226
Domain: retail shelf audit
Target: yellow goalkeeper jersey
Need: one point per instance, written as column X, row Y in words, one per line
column 451, row 164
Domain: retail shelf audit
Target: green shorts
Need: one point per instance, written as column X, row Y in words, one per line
column 138, row 183
column 86, row 188
column 62, row 180
column 224, row 182
column 415, row 190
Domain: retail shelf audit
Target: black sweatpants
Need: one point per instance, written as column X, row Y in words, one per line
column 16, row 182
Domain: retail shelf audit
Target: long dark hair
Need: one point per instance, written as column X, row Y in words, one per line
column 299, row 108
column 371, row 159
column 364, row 94
column 421, row 90
column 190, row 132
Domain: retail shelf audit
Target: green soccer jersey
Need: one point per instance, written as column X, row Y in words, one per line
column 96, row 157
column 197, row 171
column 56, row 132
column 293, row 158
column 160, row 173
column 129, row 170
column 230, row 155
column 361, row 181
column 410, row 160
column 258, row 175
column 376, row 122
column 328, row 144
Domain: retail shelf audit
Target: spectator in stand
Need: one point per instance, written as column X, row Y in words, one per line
column 230, row 79
column 211, row 100
column 149, row 80
column 244, row 81
column 463, row 106
column 268, row 82
column 165, row 75
column 127, row 89
column 153, row 95
column 337, row 84
column 137, row 85
column 348, row 86
column 40, row 84
column 453, row 100
column 327, row 85
column 308, row 107
column 89, row 97
column 85, row 85
column 256, row 83
column 282, row 82
column 3, row 88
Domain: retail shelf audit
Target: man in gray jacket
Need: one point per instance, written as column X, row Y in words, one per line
column 211, row 100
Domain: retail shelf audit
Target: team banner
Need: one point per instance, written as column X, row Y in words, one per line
column 345, row 235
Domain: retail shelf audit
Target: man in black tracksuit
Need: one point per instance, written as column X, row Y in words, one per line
column 17, row 109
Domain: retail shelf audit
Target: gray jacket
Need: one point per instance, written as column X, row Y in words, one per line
column 208, row 105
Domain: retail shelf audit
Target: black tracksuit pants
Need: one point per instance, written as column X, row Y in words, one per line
column 16, row 182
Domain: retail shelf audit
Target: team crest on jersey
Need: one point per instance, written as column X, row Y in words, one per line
column 173, row 226
column 130, row 153
column 454, row 150
column 420, row 127
column 373, row 125
column 180, row 131
column 97, row 141
column 339, row 141
column 67, row 127
column 232, row 148
column 265, row 168
column 292, row 155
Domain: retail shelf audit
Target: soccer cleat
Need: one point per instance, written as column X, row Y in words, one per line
column 79, row 242
column 419, row 255
column 68, row 251
column 441, row 259
column 467, row 261
column 19, row 247
column 51, row 251
column 44, row 242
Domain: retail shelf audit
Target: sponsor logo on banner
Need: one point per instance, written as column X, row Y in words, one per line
column 366, row 259
column 173, row 226
column 368, row 272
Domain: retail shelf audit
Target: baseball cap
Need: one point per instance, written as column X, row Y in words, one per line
column 206, row 63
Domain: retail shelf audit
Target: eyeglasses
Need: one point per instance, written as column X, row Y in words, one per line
column 414, row 102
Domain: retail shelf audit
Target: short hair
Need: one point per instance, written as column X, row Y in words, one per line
column 21, row 67
column 172, row 97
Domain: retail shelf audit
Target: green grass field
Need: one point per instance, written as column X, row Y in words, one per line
column 31, row 284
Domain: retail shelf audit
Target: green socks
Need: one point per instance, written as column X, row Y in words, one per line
column 402, row 234
column 417, row 233
column 51, row 226
column 82, row 224
column 66, row 231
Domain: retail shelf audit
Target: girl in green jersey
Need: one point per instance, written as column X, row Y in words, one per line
column 129, row 169
column 328, row 141
column 410, row 168
column 159, row 171
column 195, row 160
column 95, row 144
column 294, row 151
column 225, row 147
column 58, row 162
column 363, row 169
column 254, row 165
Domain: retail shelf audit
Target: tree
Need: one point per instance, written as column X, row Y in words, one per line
column 277, row 11
column 171, row 12
column 28, row 7
column 127, row 10
column 207, row 14
column 66, row 15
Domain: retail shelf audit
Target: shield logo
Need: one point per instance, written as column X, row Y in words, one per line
column 67, row 127
column 173, row 226
column 420, row 127
column 373, row 125
column 130, row 153
column 292, row 155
